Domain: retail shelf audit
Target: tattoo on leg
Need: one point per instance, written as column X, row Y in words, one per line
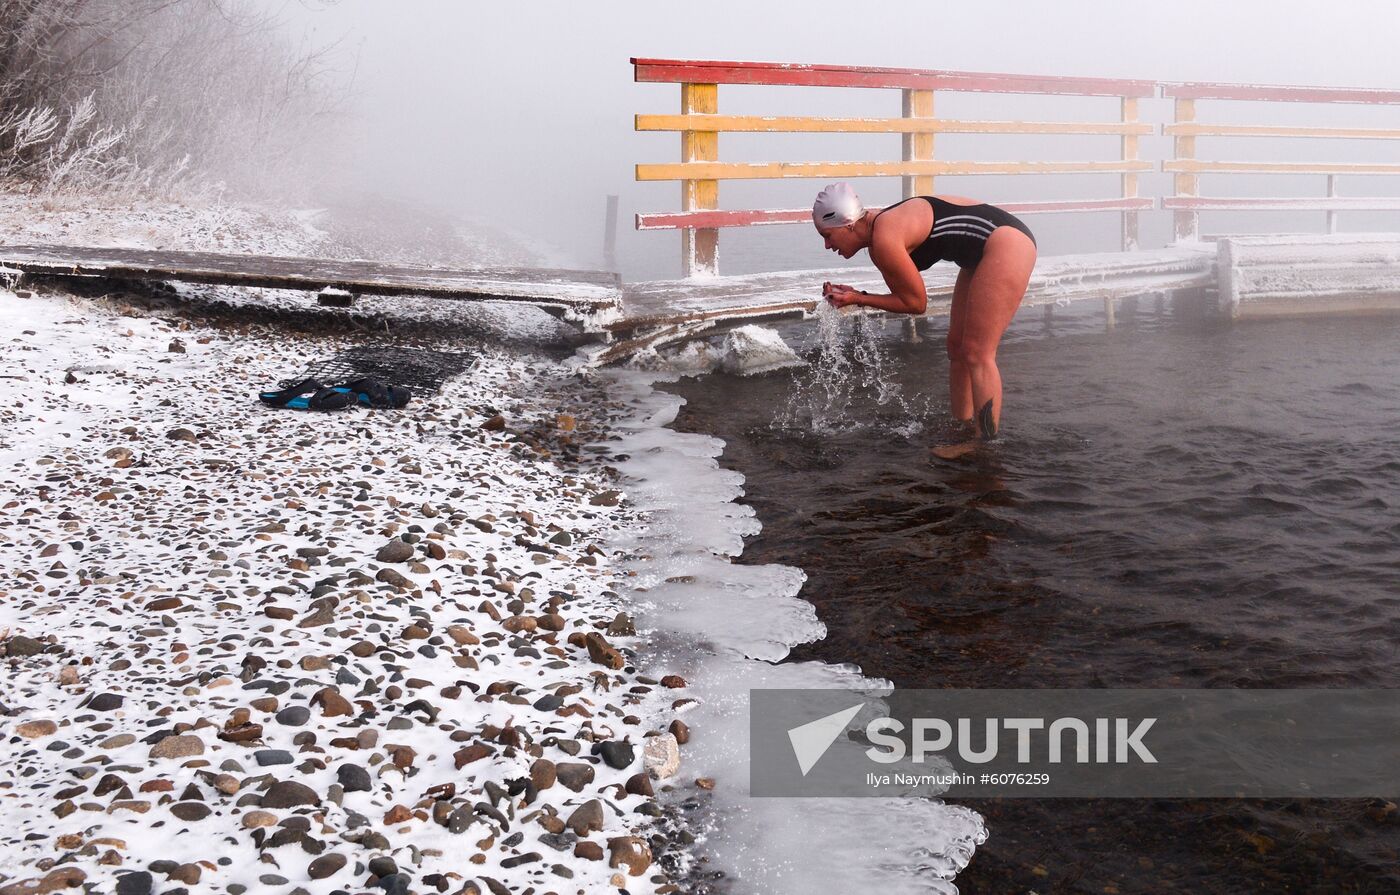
column 985, row 422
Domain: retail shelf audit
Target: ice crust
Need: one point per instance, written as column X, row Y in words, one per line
column 724, row 626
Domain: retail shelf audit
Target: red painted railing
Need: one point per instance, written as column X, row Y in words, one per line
column 700, row 124
column 1187, row 203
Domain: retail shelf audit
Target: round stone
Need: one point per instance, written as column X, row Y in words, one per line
column 294, row 715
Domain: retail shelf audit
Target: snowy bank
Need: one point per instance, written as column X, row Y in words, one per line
column 261, row 650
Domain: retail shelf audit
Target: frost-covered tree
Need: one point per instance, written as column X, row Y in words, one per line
column 157, row 95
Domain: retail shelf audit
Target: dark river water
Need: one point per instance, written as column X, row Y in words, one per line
column 1175, row 502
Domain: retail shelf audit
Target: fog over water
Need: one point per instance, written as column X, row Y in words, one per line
column 524, row 110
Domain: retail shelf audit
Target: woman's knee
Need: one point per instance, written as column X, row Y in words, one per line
column 973, row 353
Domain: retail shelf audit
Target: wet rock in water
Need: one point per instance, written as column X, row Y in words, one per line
column 574, row 775
column 661, row 756
column 289, row 794
column 622, row 626
column 631, row 852
column 394, row 551
column 680, row 731
column 673, row 682
column 178, row 746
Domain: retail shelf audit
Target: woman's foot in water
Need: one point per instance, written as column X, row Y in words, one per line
column 960, row 447
column 956, row 451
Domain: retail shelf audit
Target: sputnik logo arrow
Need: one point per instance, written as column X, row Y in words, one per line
column 811, row 740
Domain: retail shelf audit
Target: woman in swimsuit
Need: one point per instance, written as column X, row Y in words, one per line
column 995, row 252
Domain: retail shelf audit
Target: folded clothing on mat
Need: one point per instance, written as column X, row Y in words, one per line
column 310, row 394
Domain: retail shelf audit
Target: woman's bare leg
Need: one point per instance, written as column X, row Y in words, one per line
column 998, row 284
column 959, row 378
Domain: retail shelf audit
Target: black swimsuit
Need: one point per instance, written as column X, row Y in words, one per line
column 959, row 232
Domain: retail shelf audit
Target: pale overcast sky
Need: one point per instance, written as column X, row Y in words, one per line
column 524, row 109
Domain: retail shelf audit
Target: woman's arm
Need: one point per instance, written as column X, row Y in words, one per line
column 907, row 293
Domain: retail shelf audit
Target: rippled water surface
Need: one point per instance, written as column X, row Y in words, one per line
column 1176, row 502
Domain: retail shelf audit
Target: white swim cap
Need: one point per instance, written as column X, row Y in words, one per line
column 837, row 206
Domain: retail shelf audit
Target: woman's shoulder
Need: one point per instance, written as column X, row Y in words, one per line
column 907, row 214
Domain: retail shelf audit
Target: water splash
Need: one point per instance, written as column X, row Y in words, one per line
column 851, row 372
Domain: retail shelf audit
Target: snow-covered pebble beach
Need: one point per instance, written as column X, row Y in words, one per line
column 259, row 650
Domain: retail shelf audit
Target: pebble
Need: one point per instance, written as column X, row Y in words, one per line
column 178, row 746
column 586, row 818
column 289, row 794
column 574, row 775
column 105, row 702
column 661, row 756
column 294, row 716
column 134, row 883
column 394, row 551
column 353, row 778
column 306, row 599
column 190, row 811
column 33, row 730
column 631, row 852
column 616, row 754
column 327, row 865
column 267, row 757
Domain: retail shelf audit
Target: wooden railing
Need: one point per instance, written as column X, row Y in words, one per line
column 700, row 124
column 1188, row 203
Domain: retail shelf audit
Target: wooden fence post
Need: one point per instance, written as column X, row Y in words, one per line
column 917, row 147
column 1187, row 185
column 610, row 235
column 699, row 247
column 1331, row 212
column 1130, row 181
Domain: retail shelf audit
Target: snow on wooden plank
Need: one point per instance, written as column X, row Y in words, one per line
column 1257, row 203
column 796, row 293
column 780, row 170
column 781, row 124
column 1270, row 275
column 757, row 217
column 1191, row 166
column 797, row 75
column 586, row 292
column 1202, row 90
